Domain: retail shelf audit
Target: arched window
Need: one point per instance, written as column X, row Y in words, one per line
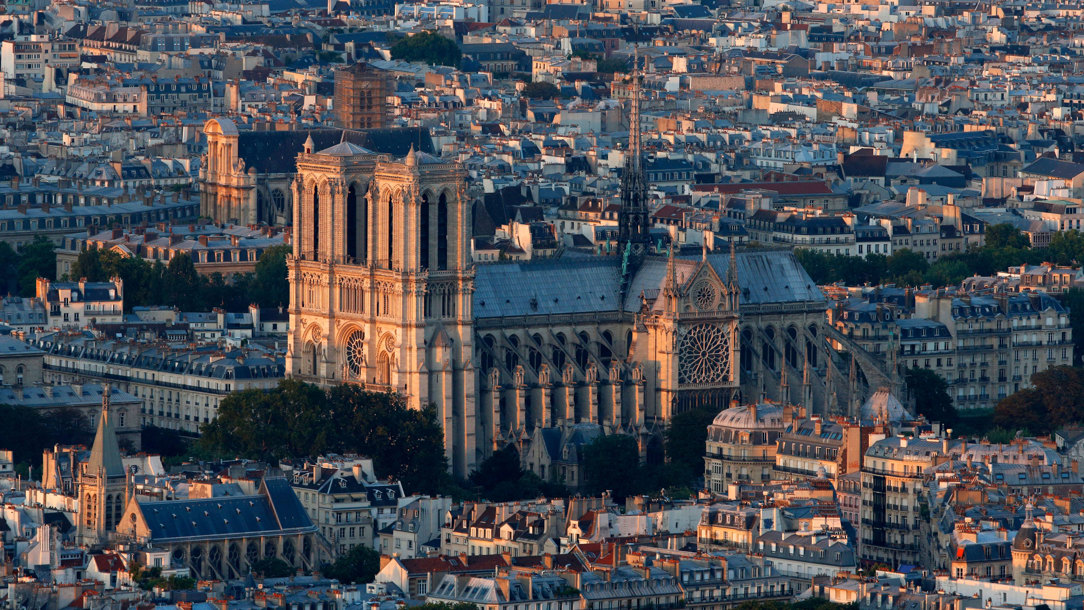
column 442, row 232
column 383, row 368
column 278, row 200
column 352, row 222
column 316, row 220
column 423, row 233
column 391, row 231
column 261, row 207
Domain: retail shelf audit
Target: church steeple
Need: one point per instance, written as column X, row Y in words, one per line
column 633, row 218
column 105, row 453
column 103, row 485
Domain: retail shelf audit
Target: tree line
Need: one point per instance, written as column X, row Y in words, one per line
column 299, row 420
column 179, row 284
column 20, row 270
column 610, row 463
column 1005, row 246
column 27, row 432
column 1055, row 400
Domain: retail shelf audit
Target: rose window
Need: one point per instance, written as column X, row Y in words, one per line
column 355, row 354
column 704, row 296
column 704, row 355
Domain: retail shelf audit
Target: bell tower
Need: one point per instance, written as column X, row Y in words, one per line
column 381, row 281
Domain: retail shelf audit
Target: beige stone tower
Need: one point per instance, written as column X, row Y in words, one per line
column 381, row 282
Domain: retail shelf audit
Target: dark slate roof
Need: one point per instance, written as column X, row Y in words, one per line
column 275, row 152
column 288, row 509
column 592, row 284
column 276, row 509
column 1045, row 166
column 547, row 287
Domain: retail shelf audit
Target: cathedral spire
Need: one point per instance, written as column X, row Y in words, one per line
column 633, row 217
column 634, row 116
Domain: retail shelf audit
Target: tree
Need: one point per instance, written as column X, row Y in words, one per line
column 686, row 437
column 182, row 282
column 610, row 464
column 270, row 285
column 500, row 478
column 931, row 396
column 37, row 259
column 162, row 441
column 272, row 567
column 290, row 420
column 297, row 419
column 1005, row 235
column 429, row 47
column 358, row 566
column 1055, row 399
column 904, row 262
column 541, row 90
column 1023, row 410
column 1062, row 392
column 612, row 66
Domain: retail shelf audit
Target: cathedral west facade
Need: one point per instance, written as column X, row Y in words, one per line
column 383, row 293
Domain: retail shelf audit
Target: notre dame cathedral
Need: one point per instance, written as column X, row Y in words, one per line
column 384, row 293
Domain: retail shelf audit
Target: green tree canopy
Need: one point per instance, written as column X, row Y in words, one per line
column 500, row 478
column 931, row 395
column 541, row 91
column 429, row 47
column 297, row 419
column 1023, row 410
column 358, row 566
column 1055, row 399
column 272, row 567
column 36, row 259
column 179, row 283
column 610, row 464
column 1005, row 235
column 612, row 66
column 686, row 437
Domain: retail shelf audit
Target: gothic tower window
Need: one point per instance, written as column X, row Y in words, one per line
column 423, row 232
column 278, row 200
column 442, row 232
column 316, row 221
column 383, row 369
column 391, row 231
column 352, row 222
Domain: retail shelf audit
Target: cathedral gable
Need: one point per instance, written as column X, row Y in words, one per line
column 704, row 292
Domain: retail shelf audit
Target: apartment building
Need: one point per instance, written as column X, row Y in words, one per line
column 181, row 387
column 345, row 500
column 27, row 57
column 892, row 485
column 986, row 344
column 741, row 444
column 77, row 304
column 106, row 95
column 1001, row 339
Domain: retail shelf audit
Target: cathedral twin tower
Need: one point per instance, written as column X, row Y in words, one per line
column 380, row 281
